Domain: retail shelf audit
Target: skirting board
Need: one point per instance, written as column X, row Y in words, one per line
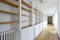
column 58, row 37
column 39, row 35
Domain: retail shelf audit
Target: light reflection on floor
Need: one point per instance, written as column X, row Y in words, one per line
column 48, row 34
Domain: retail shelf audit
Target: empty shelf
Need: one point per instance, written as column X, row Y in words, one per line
column 10, row 3
column 26, row 4
column 3, row 11
column 23, row 8
column 9, row 22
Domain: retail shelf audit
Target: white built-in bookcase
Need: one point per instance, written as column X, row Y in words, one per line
column 9, row 19
column 18, row 15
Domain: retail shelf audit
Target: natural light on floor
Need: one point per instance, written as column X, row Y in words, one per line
column 48, row 34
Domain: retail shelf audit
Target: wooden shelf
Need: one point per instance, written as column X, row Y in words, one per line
column 9, row 2
column 35, row 9
column 26, row 27
column 25, row 21
column 3, row 11
column 35, row 12
column 23, row 8
column 26, row 4
column 25, row 15
column 9, row 22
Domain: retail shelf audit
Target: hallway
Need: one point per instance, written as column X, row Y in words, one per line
column 48, row 34
column 29, row 19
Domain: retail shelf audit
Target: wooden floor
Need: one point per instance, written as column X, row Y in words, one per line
column 48, row 34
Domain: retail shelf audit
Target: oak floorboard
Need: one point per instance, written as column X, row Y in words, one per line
column 48, row 34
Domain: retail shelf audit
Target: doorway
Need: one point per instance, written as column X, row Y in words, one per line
column 50, row 20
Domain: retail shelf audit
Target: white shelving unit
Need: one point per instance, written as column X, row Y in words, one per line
column 22, row 16
column 9, row 19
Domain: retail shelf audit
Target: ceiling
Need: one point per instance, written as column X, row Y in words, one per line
column 48, row 7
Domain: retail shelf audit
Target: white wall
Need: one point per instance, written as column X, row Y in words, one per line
column 55, row 20
column 59, row 24
column 59, row 19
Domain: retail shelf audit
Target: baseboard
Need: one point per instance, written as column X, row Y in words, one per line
column 58, row 37
column 39, row 35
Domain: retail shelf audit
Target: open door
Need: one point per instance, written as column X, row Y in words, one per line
column 50, row 20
